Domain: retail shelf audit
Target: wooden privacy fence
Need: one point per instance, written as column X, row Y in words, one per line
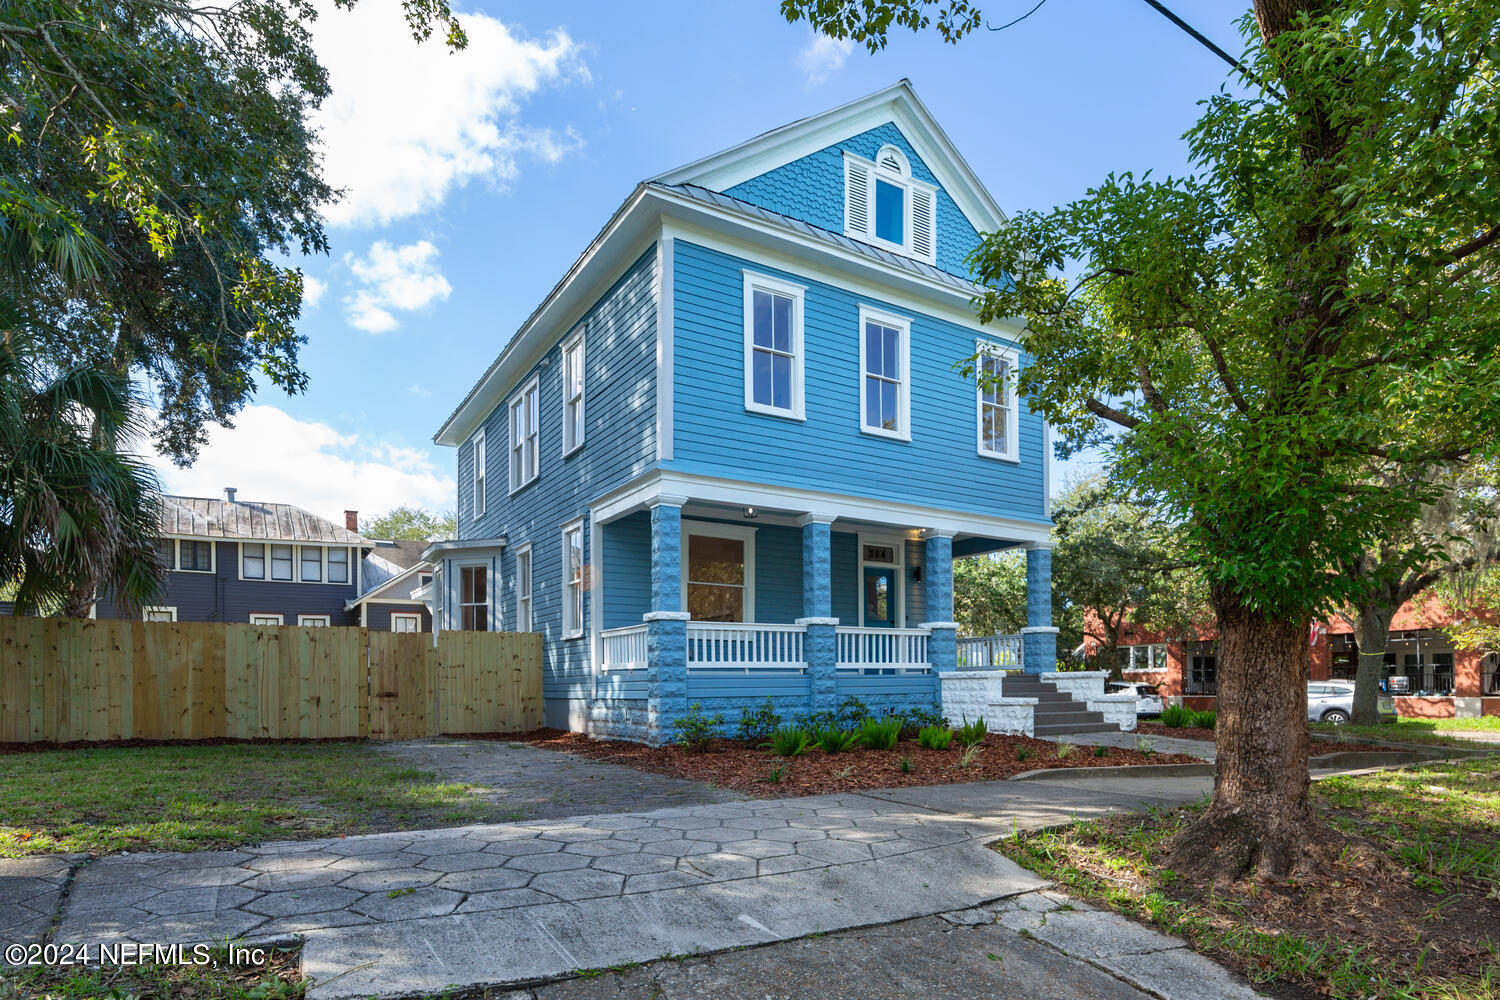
column 65, row 679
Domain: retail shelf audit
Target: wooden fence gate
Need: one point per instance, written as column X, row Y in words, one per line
column 64, row 679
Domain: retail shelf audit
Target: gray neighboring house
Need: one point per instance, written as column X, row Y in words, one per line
column 394, row 577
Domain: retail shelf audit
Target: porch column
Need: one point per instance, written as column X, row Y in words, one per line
column 820, row 643
column 666, row 622
column 937, row 593
column 1039, row 638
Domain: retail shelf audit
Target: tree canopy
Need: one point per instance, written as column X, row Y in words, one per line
column 411, row 524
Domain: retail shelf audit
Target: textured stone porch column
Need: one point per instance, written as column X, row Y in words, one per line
column 1039, row 638
column 820, row 644
column 937, row 592
column 666, row 622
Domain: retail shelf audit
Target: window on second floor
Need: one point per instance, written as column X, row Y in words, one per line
column 997, row 401
column 338, row 565
column 479, row 474
column 572, row 543
column 886, row 206
column 573, row 395
column 312, row 564
column 282, row 567
column 525, row 422
column 885, row 383
column 253, row 561
column 773, row 346
column 195, row 557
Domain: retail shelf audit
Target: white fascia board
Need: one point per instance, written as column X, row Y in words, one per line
column 897, row 103
column 372, row 594
column 467, row 546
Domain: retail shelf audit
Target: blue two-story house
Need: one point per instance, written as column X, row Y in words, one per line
column 731, row 455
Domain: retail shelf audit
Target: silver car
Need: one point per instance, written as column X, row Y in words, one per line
column 1147, row 698
column 1330, row 701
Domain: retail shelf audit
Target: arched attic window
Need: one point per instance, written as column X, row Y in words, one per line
column 886, row 206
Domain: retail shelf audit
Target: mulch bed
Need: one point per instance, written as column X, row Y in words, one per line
column 736, row 765
column 1320, row 748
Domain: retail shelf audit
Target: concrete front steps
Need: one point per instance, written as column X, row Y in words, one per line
column 1056, row 713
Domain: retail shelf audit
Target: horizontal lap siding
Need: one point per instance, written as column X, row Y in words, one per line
column 627, row 570
column 843, row 551
column 378, row 618
column 939, row 467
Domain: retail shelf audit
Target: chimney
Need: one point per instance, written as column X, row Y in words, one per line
column 229, row 492
column 351, row 520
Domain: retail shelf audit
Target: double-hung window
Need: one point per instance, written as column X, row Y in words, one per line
column 572, row 552
column 474, row 598
column 573, row 395
column 195, row 557
column 253, row 561
column 523, row 589
column 885, row 382
column 886, row 206
column 525, row 419
column 479, row 477
column 312, row 563
column 773, row 346
column 996, row 370
column 718, row 572
column 338, row 565
column 281, row 562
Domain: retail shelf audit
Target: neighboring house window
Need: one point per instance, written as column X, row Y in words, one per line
column 312, row 564
column 473, row 599
column 1202, row 674
column 479, row 476
column 572, row 543
column 773, row 346
column 405, row 622
column 253, row 561
column 195, row 557
column 523, row 589
column 338, row 565
column 573, row 395
column 166, row 552
column 525, row 418
column 1143, row 658
column 718, row 572
column 997, row 401
column 316, row 621
column 281, row 562
column 884, row 362
column 265, row 619
column 886, row 206
column 159, row 614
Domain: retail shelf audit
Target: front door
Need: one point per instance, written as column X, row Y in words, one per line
column 880, row 596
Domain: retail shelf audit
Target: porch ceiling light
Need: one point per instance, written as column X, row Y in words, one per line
column 751, row 513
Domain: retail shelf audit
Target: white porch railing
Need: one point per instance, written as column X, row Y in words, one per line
column 882, row 649
column 989, row 651
column 733, row 646
column 624, row 648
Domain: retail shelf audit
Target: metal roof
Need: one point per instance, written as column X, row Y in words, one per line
column 248, row 519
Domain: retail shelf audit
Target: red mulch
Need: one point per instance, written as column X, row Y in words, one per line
column 736, row 765
column 1320, row 748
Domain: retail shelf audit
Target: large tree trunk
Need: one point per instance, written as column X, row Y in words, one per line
column 1261, row 820
column 1372, row 628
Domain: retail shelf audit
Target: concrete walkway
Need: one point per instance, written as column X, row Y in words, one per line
column 412, row 913
column 1202, row 749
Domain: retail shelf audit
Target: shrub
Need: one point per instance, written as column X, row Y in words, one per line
column 695, row 731
column 813, row 721
column 935, row 737
column 881, row 734
column 788, row 741
column 924, row 718
column 971, row 733
column 832, row 739
column 1176, row 716
column 758, row 724
column 851, row 713
column 1206, row 720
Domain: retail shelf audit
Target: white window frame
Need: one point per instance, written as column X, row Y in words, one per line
column 1012, row 411
column 572, row 629
column 479, row 466
column 460, row 604
column 322, row 563
column 265, row 562
column 570, row 402
column 1156, row 665
column 270, row 618
column 348, row 566
column 411, row 616
column 315, row 621
column 776, row 286
column 867, row 315
column 525, row 594
column 742, row 532
column 861, row 226
column 213, row 555
column 524, row 414
column 897, row 545
column 157, row 609
column 270, row 562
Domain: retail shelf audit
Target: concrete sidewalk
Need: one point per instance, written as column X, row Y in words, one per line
column 407, row 913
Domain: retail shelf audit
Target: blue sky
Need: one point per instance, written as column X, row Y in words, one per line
column 475, row 179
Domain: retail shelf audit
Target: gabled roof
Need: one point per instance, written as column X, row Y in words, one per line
column 201, row 517
column 897, row 103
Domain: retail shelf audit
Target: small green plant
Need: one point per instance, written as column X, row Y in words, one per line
column 695, row 731
column 1205, row 720
column 831, row 739
column 397, row 893
column 906, row 766
column 935, row 737
column 1065, row 750
column 1022, row 753
column 777, row 772
column 1176, row 716
column 788, row 741
column 1101, row 751
column 881, row 734
column 920, row 718
column 971, row 734
column 851, row 713
column 756, row 725
column 1143, row 745
column 970, row 756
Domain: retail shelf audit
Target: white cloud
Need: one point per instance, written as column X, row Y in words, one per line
column 272, row 456
column 417, row 389
column 393, row 278
column 312, row 291
column 407, row 123
column 822, row 57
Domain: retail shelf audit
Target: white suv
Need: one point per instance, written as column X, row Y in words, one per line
column 1330, row 701
column 1147, row 698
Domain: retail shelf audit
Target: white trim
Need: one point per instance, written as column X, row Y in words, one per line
column 911, row 188
column 665, row 345
column 315, row 621
column 897, row 544
column 213, row 555
column 804, row 622
column 596, row 599
column 528, row 400
column 666, row 616
column 1011, row 407
column 488, row 565
column 265, row 562
column 870, row 314
column 478, row 469
column 415, row 616
column 575, row 341
column 151, row 609
column 754, row 282
column 712, row 529
column 573, row 629
column 279, row 618
column 529, row 579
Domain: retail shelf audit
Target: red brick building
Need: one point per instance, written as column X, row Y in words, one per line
column 1425, row 675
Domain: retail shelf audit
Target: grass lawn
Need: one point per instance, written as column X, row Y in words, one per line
column 192, row 798
column 277, row 979
column 1439, row 732
column 1427, row 925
